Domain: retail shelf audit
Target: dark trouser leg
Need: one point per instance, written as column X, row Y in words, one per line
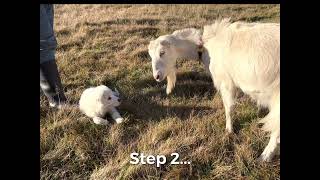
column 50, row 83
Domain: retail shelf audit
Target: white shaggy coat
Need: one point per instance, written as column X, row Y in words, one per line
column 165, row 50
column 243, row 55
column 95, row 102
column 247, row 55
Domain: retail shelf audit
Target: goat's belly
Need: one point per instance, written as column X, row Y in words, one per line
column 250, row 83
column 258, row 89
column 252, row 72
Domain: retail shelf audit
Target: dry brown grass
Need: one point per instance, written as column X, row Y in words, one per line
column 107, row 44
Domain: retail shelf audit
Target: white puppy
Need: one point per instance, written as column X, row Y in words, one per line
column 95, row 102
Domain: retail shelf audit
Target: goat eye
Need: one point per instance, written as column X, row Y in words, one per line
column 109, row 98
column 162, row 53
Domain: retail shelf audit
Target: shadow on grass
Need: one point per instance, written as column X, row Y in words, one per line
column 143, row 106
column 150, row 111
column 189, row 84
column 242, row 121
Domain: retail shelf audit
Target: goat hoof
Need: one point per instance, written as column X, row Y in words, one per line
column 263, row 158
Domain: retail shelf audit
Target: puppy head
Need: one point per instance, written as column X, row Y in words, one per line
column 107, row 97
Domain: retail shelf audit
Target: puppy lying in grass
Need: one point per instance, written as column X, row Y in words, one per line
column 95, row 102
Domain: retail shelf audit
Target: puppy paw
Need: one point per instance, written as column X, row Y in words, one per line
column 119, row 120
column 100, row 121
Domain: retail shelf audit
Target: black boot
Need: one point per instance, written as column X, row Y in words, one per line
column 50, row 84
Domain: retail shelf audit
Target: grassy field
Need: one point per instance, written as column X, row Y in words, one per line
column 107, row 44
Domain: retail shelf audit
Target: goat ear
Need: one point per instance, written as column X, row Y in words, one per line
column 200, row 43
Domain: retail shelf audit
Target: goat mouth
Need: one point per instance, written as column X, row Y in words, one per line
column 159, row 79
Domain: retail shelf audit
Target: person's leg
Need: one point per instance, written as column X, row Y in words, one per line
column 48, row 41
column 50, row 81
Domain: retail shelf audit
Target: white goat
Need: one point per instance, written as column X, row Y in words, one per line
column 166, row 49
column 247, row 55
column 243, row 55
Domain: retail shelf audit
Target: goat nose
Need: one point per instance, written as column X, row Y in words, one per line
column 119, row 99
column 157, row 77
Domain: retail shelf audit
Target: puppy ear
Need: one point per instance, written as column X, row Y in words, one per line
column 98, row 93
column 98, row 98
